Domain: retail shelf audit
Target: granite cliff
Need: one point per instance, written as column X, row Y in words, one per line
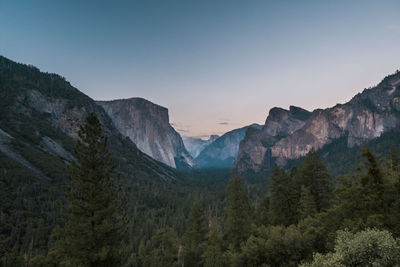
column 147, row 125
column 290, row 134
column 40, row 117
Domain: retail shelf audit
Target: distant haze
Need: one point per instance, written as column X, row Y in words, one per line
column 216, row 65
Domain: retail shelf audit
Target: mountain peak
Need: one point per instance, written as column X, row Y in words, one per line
column 290, row 134
column 147, row 125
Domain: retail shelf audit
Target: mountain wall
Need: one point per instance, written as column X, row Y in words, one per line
column 195, row 145
column 222, row 152
column 147, row 125
column 40, row 117
column 290, row 134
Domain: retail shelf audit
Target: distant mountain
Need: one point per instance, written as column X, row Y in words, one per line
column 40, row 117
column 222, row 152
column 290, row 134
column 147, row 125
column 195, row 145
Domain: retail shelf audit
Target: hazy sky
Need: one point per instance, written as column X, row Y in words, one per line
column 216, row 65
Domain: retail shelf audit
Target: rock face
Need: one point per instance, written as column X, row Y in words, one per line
column 222, row 152
column 43, row 111
column 195, row 145
column 290, row 134
column 147, row 125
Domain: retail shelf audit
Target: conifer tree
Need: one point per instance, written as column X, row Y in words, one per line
column 314, row 175
column 195, row 236
column 262, row 211
column 372, row 188
column 283, row 199
column 94, row 226
column 238, row 211
column 393, row 160
column 161, row 250
column 307, row 205
column 213, row 254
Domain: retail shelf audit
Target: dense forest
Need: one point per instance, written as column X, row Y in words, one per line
column 288, row 217
column 337, row 206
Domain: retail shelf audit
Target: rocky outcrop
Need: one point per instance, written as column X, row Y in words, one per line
column 222, row 152
column 255, row 149
column 290, row 134
column 147, row 125
column 195, row 145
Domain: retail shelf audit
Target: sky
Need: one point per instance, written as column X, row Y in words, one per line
column 216, row 65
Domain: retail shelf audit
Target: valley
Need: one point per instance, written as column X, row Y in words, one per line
column 296, row 170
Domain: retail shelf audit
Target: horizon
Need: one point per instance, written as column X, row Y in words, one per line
column 215, row 66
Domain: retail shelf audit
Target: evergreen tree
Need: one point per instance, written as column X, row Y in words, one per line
column 195, row 236
column 213, row 254
column 283, row 198
column 314, row 175
column 307, row 205
column 238, row 211
column 372, row 184
column 262, row 211
column 393, row 159
column 161, row 250
column 94, row 227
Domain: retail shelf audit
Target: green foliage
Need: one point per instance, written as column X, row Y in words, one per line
column 314, row 175
column 238, row 212
column 275, row 246
column 161, row 250
column 366, row 248
column 299, row 217
column 94, row 227
column 195, row 236
column 307, row 205
column 283, row 201
column 213, row 254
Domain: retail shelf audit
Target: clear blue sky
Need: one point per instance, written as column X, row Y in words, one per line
column 216, row 65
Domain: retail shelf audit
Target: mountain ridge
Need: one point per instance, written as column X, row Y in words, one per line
column 221, row 153
column 42, row 113
column 366, row 116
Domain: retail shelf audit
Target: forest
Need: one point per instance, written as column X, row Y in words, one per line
column 298, row 216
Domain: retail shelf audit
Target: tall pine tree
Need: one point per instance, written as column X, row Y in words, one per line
column 314, row 175
column 372, row 184
column 238, row 211
column 283, row 199
column 94, row 226
column 213, row 254
column 195, row 236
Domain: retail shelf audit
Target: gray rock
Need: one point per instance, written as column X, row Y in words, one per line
column 222, row 152
column 147, row 125
column 290, row 134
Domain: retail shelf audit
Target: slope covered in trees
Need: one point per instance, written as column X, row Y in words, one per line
column 306, row 214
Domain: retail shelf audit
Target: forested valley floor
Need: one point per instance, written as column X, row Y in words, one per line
column 287, row 217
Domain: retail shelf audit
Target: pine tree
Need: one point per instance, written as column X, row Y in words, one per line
column 195, row 236
column 262, row 211
column 393, row 160
column 372, row 189
column 307, row 205
column 161, row 250
column 213, row 254
column 238, row 211
column 283, row 198
column 314, row 175
column 94, row 226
